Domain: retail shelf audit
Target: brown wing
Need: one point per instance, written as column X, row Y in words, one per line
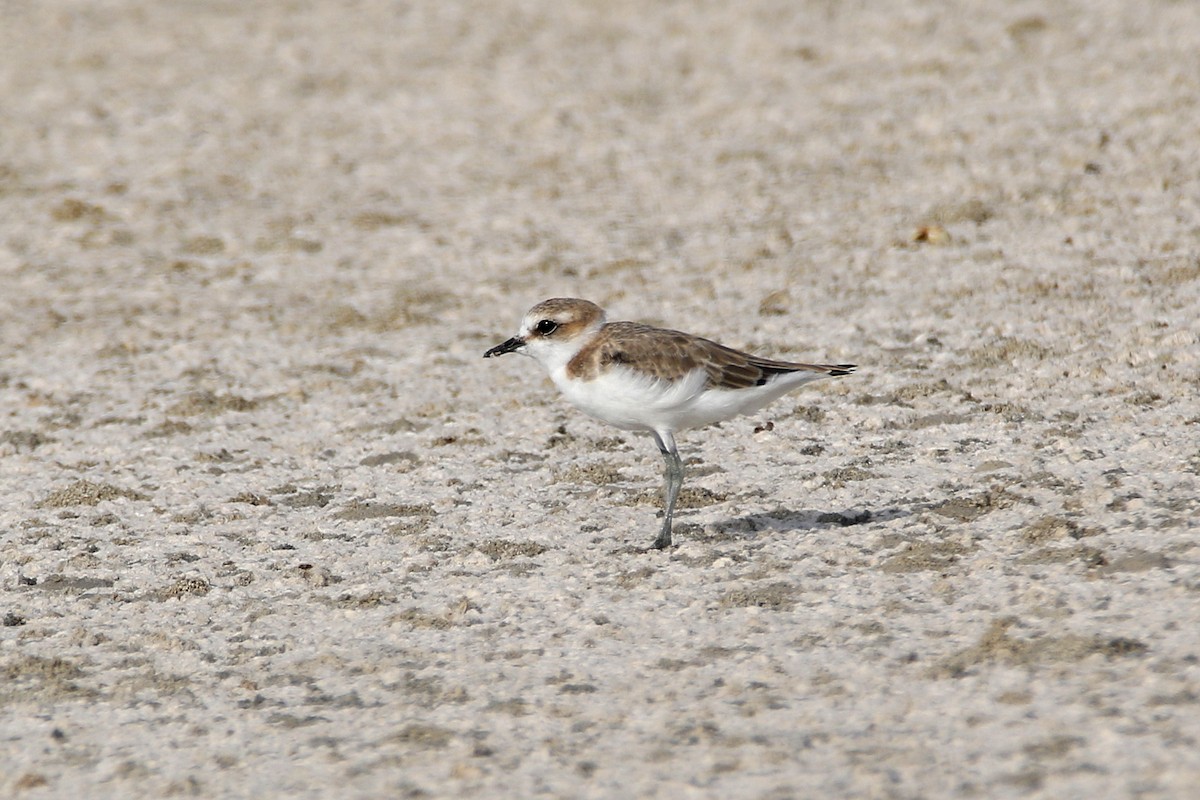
column 669, row 355
column 732, row 369
column 656, row 352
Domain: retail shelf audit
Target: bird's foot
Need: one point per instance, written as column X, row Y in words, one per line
column 664, row 537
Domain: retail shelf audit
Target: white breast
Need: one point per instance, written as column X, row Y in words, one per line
column 634, row 401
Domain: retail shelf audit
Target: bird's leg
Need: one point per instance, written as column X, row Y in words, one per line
column 672, row 480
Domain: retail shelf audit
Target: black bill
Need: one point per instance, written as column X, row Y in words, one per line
column 511, row 346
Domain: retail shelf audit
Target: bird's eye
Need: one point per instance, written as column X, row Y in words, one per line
column 546, row 327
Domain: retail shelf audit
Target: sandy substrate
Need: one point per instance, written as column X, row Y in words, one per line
column 272, row 528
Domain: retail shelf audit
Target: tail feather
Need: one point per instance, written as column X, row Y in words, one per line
column 786, row 367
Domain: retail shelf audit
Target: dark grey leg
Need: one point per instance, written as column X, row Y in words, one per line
column 672, row 480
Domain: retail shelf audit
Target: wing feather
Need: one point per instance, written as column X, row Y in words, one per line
column 670, row 355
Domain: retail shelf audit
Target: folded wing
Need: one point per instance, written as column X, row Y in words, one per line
column 669, row 355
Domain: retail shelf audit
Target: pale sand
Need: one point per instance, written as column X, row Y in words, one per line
column 272, row 528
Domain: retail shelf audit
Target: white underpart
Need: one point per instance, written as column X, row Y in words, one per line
column 632, row 400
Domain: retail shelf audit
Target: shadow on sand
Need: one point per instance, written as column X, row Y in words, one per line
column 784, row 519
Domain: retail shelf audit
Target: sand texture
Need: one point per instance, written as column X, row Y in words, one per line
column 271, row 527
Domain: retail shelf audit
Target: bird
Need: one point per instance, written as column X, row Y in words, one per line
column 639, row 377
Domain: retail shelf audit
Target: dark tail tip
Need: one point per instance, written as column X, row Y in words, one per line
column 843, row 369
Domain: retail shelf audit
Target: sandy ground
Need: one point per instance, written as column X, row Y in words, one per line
column 272, row 528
